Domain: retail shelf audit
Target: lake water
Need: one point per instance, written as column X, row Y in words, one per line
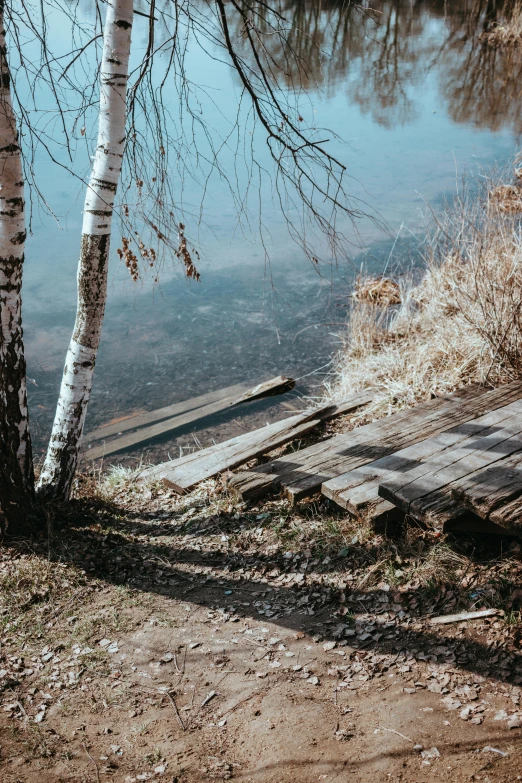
column 417, row 100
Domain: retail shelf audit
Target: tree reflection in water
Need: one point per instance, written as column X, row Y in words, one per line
column 378, row 54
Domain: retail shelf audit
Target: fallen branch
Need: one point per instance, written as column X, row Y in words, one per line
column 457, row 618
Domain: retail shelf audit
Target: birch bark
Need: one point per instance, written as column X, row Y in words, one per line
column 16, row 466
column 62, row 454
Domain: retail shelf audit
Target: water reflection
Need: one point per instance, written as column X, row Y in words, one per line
column 378, row 54
column 482, row 84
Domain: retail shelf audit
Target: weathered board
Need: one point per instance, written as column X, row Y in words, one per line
column 277, row 385
column 169, row 425
column 301, row 474
column 358, row 490
column 151, row 417
column 487, row 492
column 509, row 516
column 184, row 473
column 426, row 491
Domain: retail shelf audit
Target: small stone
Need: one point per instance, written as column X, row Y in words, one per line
column 432, row 753
column 450, row 703
column 465, row 713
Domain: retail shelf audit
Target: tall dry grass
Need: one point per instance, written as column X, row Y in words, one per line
column 461, row 324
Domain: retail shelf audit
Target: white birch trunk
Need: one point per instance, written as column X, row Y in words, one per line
column 62, row 455
column 16, row 467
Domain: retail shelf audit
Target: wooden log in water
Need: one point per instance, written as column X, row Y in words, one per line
column 133, row 422
column 194, row 412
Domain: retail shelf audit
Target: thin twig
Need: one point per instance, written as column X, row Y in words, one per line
column 93, row 761
column 175, row 708
column 383, row 728
column 21, row 708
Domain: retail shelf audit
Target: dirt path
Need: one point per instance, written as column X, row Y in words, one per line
column 184, row 642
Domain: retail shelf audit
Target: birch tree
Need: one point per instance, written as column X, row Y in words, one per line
column 62, row 456
column 16, row 466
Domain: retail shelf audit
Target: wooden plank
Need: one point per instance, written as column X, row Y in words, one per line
column 414, row 491
column 226, row 456
column 439, row 509
column 176, row 422
column 302, row 473
column 151, row 417
column 358, row 490
column 509, row 516
column 387, row 436
column 277, row 385
column 489, row 490
column 184, row 473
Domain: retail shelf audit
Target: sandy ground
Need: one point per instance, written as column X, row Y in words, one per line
column 184, row 641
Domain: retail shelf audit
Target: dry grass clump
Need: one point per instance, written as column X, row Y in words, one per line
column 33, row 590
column 507, row 197
column 509, row 32
column 461, row 324
column 377, row 290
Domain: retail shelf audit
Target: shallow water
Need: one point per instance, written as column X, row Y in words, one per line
column 418, row 101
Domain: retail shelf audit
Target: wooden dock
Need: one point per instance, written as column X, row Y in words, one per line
column 185, row 472
column 451, row 463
